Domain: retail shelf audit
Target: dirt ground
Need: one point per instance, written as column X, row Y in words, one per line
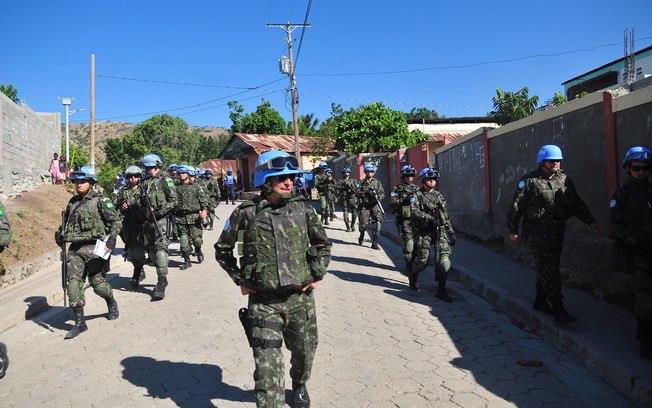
column 34, row 216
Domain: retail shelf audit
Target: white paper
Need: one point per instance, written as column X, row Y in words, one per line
column 100, row 250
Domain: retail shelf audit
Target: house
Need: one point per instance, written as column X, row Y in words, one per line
column 244, row 149
column 609, row 75
column 219, row 166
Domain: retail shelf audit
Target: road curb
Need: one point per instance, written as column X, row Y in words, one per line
column 615, row 373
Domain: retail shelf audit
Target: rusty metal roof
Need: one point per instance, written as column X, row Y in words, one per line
column 243, row 144
column 219, row 166
column 445, row 137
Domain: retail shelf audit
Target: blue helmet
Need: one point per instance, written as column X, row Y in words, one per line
column 121, row 180
column 328, row 170
column 368, row 166
column 322, row 165
column 151, row 160
column 408, row 170
column 428, row 173
column 549, row 152
column 229, row 172
column 637, row 153
column 85, row 173
column 172, row 167
column 208, row 172
column 346, row 169
column 274, row 163
column 184, row 168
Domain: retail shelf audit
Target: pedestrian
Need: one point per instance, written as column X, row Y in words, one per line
column 55, row 169
column 433, row 227
column 159, row 199
column 89, row 217
column 286, row 253
column 128, row 202
column 545, row 199
column 191, row 212
column 347, row 187
column 399, row 203
column 230, row 183
column 631, row 223
column 323, row 189
column 371, row 193
column 213, row 190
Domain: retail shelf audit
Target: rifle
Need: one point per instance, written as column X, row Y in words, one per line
column 151, row 217
column 380, row 205
column 64, row 260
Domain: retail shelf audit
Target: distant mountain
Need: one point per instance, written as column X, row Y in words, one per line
column 80, row 133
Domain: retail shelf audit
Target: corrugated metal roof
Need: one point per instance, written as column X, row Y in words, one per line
column 445, row 137
column 263, row 142
column 219, row 166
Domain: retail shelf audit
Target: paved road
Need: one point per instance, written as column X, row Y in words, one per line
column 380, row 346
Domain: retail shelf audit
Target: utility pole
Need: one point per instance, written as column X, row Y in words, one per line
column 288, row 28
column 93, row 111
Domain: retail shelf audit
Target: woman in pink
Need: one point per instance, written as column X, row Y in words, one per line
column 55, row 171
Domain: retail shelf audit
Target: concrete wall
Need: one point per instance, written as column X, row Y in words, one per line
column 28, row 140
column 633, row 114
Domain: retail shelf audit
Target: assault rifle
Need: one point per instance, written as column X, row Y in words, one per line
column 374, row 194
column 64, row 259
column 151, row 217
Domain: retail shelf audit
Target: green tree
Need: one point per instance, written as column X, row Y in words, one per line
column 307, row 125
column 511, row 106
column 264, row 120
column 372, row 128
column 78, row 154
column 419, row 114
column 10, row 91
column 557, row 99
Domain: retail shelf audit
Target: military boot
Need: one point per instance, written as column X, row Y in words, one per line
column 541, row 304
column 412, row 280
column 200, row 255
column 80, row 323
column 646, row 340
column 347, row 225
column 113, row 309
column 186, row 262
column 361, row 238
column 560, row 313
column 374, row 240
column 159, row 290
column 301, row 397
column 441, row 289
column 139, row 276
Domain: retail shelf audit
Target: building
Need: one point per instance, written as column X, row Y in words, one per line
column 609, row 75
column 244, row 149
column 219, row 166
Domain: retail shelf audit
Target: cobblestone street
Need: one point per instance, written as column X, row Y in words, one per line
column 379, row 345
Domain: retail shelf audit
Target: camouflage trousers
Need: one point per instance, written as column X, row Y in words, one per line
column 157, row 246
column 404, row 228
column 350, row 211
column 547, row 258
column 423, row 244
column 189, row 235
column 82, row 264
column 369, row 215
column 327, row 207
column 299, row 330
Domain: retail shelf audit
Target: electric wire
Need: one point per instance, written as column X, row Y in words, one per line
column 303, row 30
column 185, row 83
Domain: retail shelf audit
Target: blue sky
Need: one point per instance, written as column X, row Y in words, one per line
column 46, row 50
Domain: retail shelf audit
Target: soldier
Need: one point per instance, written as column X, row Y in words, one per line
column 128, row 203
column 286, row 252
column 230, row 186
column 348, row 187
column 162, row 195
column 331, row 193
column 191, row 213
column 371, row 192
column 399, row 203
column 631, row 220
column 89, row 217
column 321, row 184
column 213, row 190
column 172, row 171
column 546, row 198
column 433, row 227
column 171, row 222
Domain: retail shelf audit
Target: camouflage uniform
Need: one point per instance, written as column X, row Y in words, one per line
column 545, row 204
column 214, row 195
column 347, row 189
column 284, row 248
column 5, row 234
column 369, row 210
column 399, row 202
column 133, row 222
column 631, row 221
column 325, row 188
column 163, row 197
column 192, row 198
column 432, row 227
column 88, row 218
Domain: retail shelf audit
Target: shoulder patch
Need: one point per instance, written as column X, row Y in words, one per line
column 521, row 184
column 169, row 182
column 108, row 204
column 613, row 203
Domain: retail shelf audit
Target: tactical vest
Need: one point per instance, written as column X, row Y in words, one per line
column 188, row 199
column 398, row 201
column 365, row 186
column 549, row 200
column 275, row 242
column 155, row 187
column 85, row 222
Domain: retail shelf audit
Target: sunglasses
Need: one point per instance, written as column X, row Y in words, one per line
column 133, row 175
column 639, row 168
column 284, row 177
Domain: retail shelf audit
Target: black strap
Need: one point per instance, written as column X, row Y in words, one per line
column 266, row 343
column 266, row 324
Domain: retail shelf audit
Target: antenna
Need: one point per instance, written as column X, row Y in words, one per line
column 629, row 70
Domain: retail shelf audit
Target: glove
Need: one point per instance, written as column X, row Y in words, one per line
column 110, row 242
column 451, row 239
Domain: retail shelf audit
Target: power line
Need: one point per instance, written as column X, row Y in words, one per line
column 239, row 100
column 303, row 30
column 443, row 67
column 186, row 83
